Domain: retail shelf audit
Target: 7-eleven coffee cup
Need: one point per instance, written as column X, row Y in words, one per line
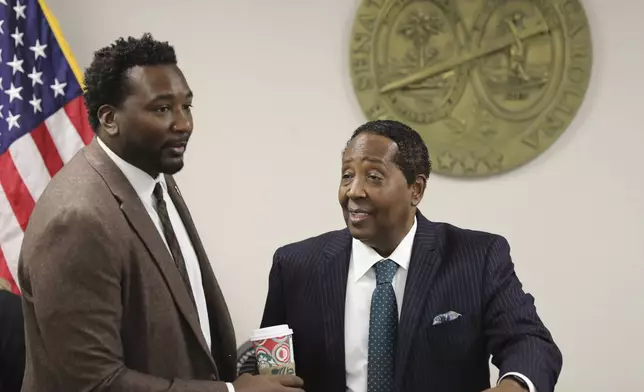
column 274, row 350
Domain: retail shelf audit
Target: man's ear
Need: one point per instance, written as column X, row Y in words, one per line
column 418, row 189
column 107, row 117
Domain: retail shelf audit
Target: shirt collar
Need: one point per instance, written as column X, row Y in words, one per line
column 364, row 257
column 141, row 181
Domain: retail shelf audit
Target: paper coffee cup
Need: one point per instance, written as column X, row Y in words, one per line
column 274, row 350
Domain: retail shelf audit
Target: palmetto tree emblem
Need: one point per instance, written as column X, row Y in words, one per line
column 419, row 28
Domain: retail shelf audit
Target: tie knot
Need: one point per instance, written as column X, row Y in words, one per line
column 158, row 191
column 385, row 271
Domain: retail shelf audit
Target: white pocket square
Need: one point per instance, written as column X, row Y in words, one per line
column 446, row 317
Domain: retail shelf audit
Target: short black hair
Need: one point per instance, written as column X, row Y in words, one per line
column 412, row 156
column 106, row 77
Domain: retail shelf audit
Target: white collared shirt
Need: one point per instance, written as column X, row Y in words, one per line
column 144, row 184
column 361, row 283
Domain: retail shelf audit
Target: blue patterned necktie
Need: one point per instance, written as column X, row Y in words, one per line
column 383, row 330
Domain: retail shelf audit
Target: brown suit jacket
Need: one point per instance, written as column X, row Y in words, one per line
column 104, row 305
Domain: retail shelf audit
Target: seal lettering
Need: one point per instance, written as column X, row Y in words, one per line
column 368, row 21
column 362, row 43
column 580, row 51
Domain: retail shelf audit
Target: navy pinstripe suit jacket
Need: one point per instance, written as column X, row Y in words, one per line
column 451, row 269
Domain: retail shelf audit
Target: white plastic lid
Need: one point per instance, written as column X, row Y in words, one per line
column 271, row 332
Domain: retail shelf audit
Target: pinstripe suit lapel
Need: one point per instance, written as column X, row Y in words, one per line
column 425, row 259
column 334, row 272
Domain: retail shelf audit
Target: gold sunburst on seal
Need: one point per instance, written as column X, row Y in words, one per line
column 489, row 84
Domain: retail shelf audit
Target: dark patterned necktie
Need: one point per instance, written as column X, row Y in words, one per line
column 383, row 330
column 171, row 239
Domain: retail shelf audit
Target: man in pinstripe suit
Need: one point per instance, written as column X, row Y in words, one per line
column 395, row 302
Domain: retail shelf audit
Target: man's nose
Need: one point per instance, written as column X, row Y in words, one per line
column 356, row 189
column 182, row 122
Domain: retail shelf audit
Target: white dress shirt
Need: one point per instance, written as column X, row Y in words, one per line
column 361, row 283
column 144, row 184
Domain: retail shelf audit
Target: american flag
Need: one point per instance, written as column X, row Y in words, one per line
column 43, row 121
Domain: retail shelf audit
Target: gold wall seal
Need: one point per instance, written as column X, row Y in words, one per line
column 489, row 84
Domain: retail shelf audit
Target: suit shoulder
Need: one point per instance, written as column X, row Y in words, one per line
column 75, row 179
column 457, row 236
column 76, row 186
column 76, row 199
column 310, row 246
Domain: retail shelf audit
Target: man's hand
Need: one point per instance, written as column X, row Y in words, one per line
column 285, row 383
column 507, row 385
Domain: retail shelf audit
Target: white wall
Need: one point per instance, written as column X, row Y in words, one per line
column 274, row 107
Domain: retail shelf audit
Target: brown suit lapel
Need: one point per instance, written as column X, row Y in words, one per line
column 223, row 335
column 138, row 217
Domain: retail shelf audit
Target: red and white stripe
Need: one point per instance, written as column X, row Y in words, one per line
column 27, row 167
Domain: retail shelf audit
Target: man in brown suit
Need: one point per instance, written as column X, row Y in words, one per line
column 118, row 292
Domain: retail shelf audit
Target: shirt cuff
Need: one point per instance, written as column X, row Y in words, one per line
column 231, row 388
column 525, row 379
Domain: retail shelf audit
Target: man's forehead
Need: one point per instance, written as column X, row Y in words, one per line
column 369, row 145
column 155, row 79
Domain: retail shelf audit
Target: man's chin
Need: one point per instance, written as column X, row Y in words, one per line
column 172, row 166
column 360, row 233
